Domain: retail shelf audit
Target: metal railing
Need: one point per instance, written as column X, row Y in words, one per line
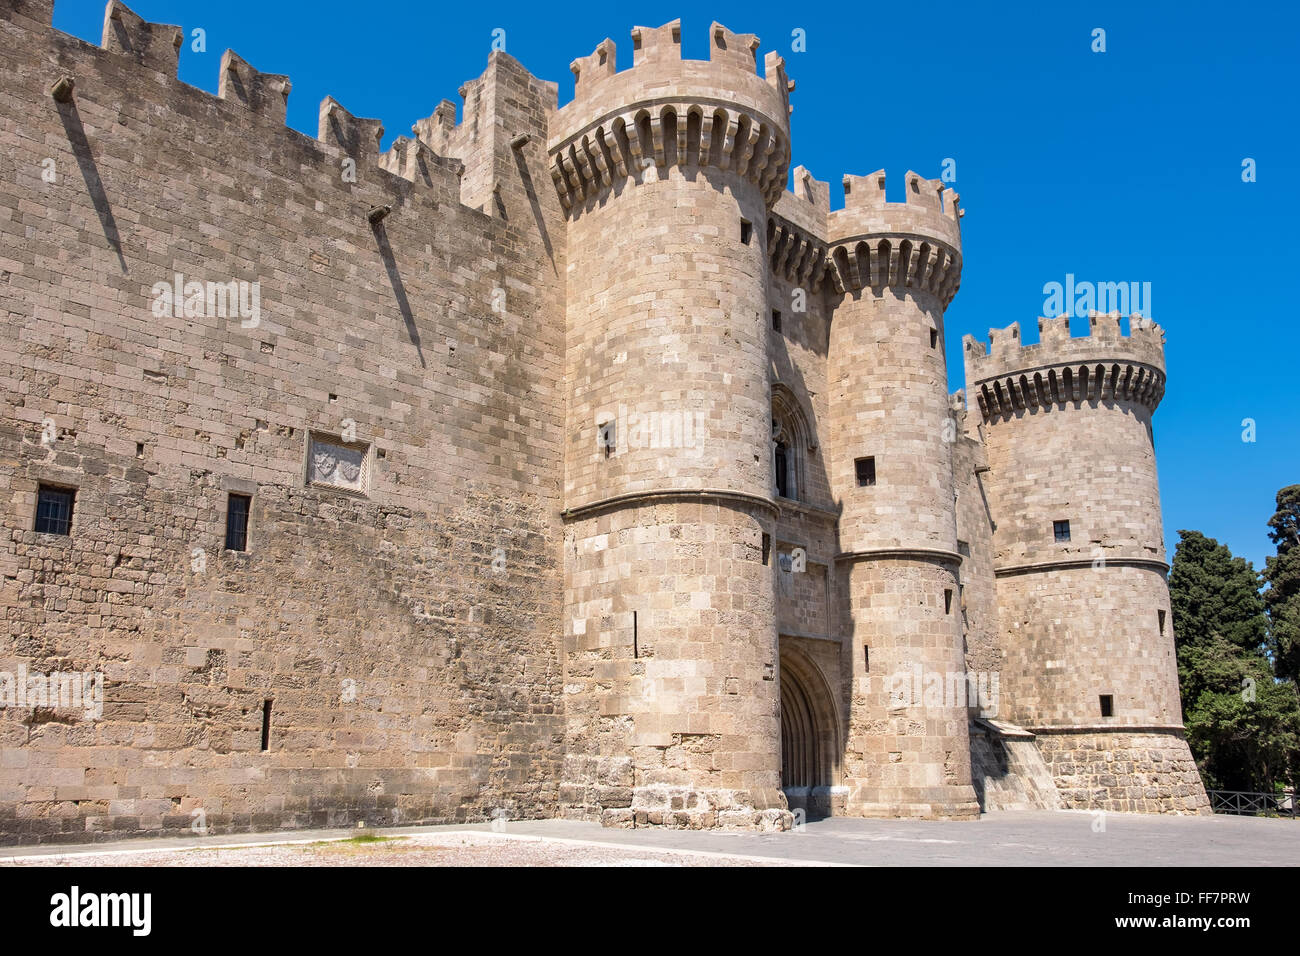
column 1246, row 803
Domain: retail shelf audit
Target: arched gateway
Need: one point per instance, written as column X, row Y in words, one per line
column 810, row 759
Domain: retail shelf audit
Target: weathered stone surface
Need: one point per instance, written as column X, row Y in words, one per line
column 549, row 421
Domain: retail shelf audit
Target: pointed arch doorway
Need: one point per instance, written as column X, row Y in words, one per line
column 809, row 735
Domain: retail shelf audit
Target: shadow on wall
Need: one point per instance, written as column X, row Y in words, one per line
column 527, row 180
column 90, row 173
column 1007, row 771
column 399, row 289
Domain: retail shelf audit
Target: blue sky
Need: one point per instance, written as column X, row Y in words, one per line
column 1117, row 166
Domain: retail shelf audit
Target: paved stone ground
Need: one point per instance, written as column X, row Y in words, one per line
column 445, row 848
column 997, row 839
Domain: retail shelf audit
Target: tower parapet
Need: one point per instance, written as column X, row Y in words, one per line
column 667, row 111
column 1104, row 364
column 796, row 230
column 916, row 243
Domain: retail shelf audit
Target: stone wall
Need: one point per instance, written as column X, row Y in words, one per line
column 979, row 597
column 907, row 754
column 1076, row 634
column 670, row 668
column 405, row 628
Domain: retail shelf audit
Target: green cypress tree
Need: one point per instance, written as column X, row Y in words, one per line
column 1243, row 726
column 1282, row 572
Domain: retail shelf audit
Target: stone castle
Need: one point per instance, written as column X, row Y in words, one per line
column 557, row 461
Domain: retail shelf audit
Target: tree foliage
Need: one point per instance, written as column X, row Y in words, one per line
column 1282, row 572
column 1242, row 724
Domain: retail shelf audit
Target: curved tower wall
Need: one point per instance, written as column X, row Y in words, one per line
column 895, row 267
column 1084, row 623
column 671, row 650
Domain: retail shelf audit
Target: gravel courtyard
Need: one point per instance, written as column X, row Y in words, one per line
column 451, row 848
column 997, row 839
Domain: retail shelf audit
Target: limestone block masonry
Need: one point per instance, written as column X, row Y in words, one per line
column 1078, row 554
column 554, row 461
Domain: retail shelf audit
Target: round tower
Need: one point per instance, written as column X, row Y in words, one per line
column 666, row 172
column 1079, row 559
column 895, row 267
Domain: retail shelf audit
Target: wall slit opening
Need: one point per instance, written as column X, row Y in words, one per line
column 266, row 725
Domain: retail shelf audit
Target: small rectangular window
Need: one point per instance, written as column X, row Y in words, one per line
column 54, row 509
column 934, row 338
column 866, row 658
column 237, row 508
column 947, row 600
column 1107, row 705
column 776, row 320
column 1061, row 530
column 865, row 469
column 746, row 231
column 606, row 437
column 767, row 549
column 1161, row 616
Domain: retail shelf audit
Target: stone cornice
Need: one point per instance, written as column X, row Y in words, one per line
column 635, row 498
column 641, row 141
column 1063, row 564
column 1109, row 729
column 937, row 555
column 1061, row 384
column 794, row 253
column 909, row 260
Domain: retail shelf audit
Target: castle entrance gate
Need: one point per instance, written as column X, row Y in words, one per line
column 809, row 735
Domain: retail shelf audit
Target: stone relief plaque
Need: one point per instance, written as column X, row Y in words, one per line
column 338, row 464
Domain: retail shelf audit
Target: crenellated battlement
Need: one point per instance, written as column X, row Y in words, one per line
column 663, row 111
column 796, row 230
column 730, row 72
column 668, row 111
column 156, row 45
column 914, row 244
column 358, row 138
column 808, row 204
column 263, row 93
column 1105, row 364
column 437, row 153
column 929, row 210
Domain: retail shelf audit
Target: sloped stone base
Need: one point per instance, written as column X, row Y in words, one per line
column 1007, row 769
column 1137, row 771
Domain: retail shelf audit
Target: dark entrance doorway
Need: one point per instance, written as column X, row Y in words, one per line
column 808, row 736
